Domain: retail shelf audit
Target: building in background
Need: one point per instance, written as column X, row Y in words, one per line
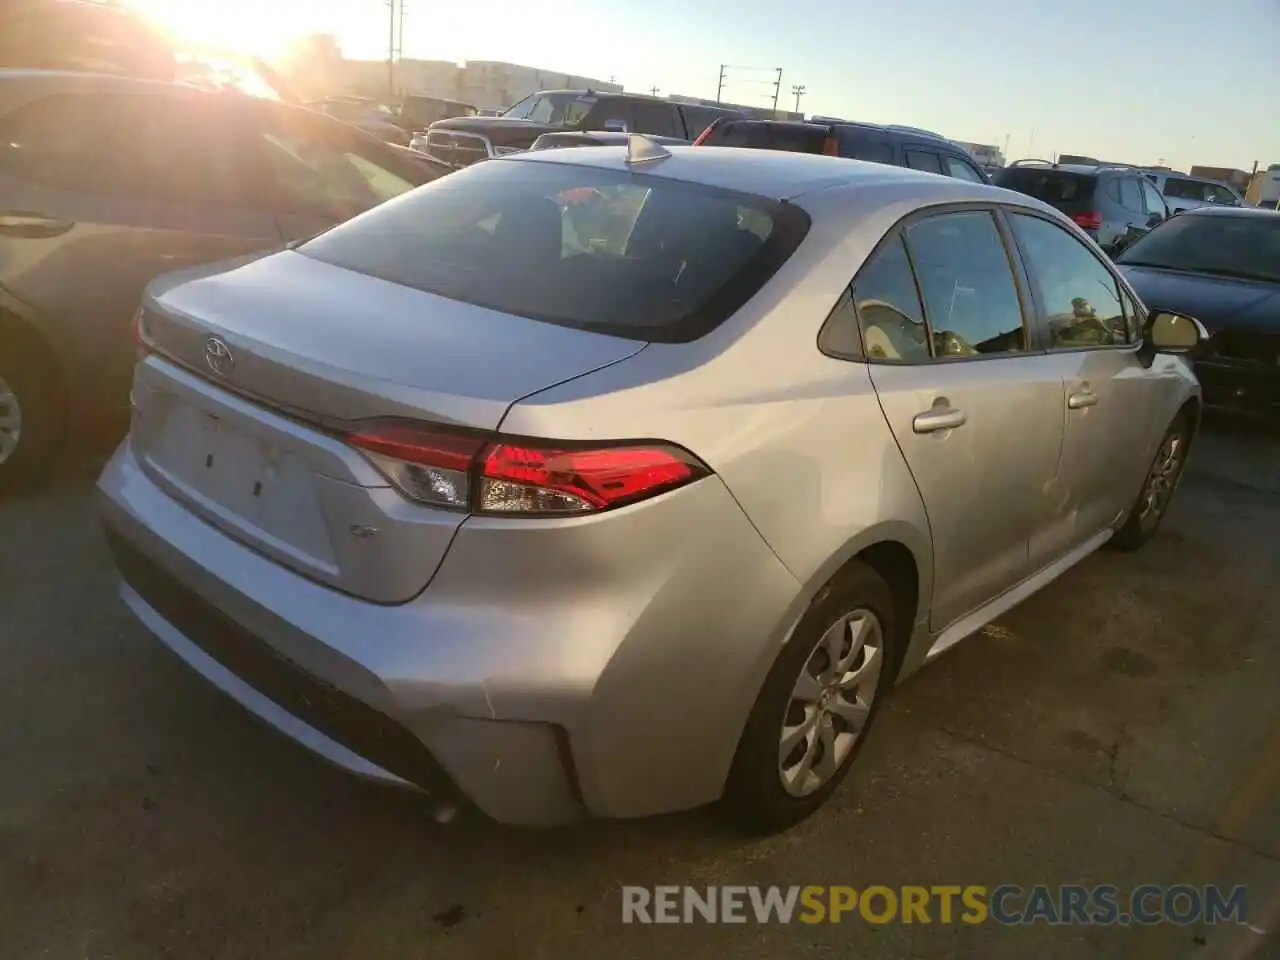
column 989, row 157
column 487, row 84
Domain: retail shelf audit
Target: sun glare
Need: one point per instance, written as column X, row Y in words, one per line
column 260, row 27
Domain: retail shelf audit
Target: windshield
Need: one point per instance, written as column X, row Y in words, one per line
column 1234, row 246
column 564, row 109
column 613, row 251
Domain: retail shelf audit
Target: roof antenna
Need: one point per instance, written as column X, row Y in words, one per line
column 640, row 149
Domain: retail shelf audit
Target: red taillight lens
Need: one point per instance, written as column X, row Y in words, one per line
column 516, row 478
column 425, row 464
column 830, row 147
column 1089, row 221
column 460, row 470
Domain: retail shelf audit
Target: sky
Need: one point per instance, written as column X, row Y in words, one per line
column 1176, row 82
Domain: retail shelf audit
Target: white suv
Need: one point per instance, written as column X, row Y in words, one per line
column 1185, row 193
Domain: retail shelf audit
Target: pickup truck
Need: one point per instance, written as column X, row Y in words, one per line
column 462, row 141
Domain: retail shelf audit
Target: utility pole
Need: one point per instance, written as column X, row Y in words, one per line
column 799, row 91
column 777, row 89
column 392, row 9
column 653, row 90
column 720, row 84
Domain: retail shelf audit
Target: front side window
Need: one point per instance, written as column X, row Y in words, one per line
column 888, row 306
column 1131, row 195
column 596, row 249
column 969, row 294
column 962, row 170
column 1155, row 202
column 655, row 118
column 922, row 160
column 54, row 140
column 1079, row 296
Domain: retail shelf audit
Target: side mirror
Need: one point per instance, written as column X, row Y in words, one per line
column 1172, row 333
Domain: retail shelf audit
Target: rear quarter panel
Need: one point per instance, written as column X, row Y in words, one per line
column 798, row 437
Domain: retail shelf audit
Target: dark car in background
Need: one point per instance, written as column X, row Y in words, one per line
column 418, row 111
column 890, row 144
column 371, row 116
column 462, row 141
column 106, row 182
column 1220, row 265
column 1112, row 204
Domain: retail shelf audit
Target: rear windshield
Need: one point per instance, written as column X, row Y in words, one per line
column 1069, row 192
column 613, row 251
column 763, row 135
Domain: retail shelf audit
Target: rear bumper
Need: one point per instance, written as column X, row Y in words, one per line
column 552, row 670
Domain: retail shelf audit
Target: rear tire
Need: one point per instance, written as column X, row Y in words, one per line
column 1158, row 488
column 31, row 415
column 829, row 678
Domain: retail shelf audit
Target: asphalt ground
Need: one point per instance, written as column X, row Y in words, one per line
column 1122, row 726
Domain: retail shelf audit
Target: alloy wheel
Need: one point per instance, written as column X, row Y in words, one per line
column 10, row 421
column 1162, row 480
column 830, row 702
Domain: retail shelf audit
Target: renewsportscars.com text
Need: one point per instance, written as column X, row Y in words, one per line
column 1008, row 904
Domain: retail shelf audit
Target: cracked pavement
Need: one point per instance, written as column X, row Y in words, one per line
column 1122, row 726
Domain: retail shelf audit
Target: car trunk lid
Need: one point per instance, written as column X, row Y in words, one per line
column 260, row 369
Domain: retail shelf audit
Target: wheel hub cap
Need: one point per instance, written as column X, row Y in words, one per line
column 830, row 702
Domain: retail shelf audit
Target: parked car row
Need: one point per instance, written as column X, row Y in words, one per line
column 106, row 182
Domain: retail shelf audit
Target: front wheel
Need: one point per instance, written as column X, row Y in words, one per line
column 817, row 704
column 30, row 421
column 1157, row 490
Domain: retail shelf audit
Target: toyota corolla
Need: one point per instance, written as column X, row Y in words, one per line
column 620, row 480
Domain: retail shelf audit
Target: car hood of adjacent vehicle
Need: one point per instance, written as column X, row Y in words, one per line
column 1215, row 301
column 329, row 343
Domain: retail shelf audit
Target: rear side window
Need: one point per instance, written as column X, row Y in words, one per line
column 969, row 294
column 1068, row 192
column 888, row 307
column 697, row 119
column 763, row 135
column 1131, row 195
column 858, row 146
column 617, row 252
column 656, row 118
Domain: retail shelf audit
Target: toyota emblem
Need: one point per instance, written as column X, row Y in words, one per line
column 218, row 357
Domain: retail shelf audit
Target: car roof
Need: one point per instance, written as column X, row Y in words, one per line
column 1225, row 211
column 774, row 174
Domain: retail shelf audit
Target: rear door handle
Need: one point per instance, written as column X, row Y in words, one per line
column 30, row 225
column 932, row 421
column 1082, row 399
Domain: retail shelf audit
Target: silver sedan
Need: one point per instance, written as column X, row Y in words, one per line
column 619, row 480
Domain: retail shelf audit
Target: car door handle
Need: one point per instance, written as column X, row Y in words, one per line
column 1081, row 399
column 30, row 225
column 932, row 421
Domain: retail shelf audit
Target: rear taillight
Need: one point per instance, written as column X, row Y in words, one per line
column 1089, row 221
column 520, row 477
column 830, row 147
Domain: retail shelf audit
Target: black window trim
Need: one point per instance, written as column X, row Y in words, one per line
column 897, row 233
column 1043, row 336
